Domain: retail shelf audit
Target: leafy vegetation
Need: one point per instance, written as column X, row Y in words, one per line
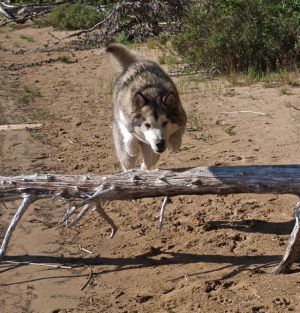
column 64, row 58
column 236, row 35
column 254, row 38
column 29, row 94
column 27, row 38
column 122, row 38
column 74, row 16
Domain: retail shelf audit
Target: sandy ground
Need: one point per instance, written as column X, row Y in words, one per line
column 203, row 259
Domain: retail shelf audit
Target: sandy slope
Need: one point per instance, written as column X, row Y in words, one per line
column 201, row 261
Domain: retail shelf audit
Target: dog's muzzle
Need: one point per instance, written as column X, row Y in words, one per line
column 160, row 146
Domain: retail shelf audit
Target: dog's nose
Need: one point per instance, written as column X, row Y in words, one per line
column 160, row 146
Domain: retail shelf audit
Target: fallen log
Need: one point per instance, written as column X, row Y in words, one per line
column 86, row 192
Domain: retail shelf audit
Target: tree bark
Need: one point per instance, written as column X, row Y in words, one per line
column 85, row 192
column 134, row 184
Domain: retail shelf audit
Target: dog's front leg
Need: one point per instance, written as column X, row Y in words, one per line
column 126, row 146
column 150, row 158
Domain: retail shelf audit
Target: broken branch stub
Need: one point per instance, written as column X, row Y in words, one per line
column 293, row 248
column 86, row 192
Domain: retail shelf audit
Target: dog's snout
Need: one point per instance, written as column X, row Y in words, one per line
column 160, row 145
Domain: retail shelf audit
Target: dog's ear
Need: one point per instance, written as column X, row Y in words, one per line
column 170, row 100
column 138, row 100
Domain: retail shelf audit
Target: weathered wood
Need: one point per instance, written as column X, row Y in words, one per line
column 85, row 192
column 23, row 207
column 293, row 248
column 19, row 126
column 21, row 13
column 134, row 184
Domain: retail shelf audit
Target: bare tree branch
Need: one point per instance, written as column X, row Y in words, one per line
column 85, row 192
column 77, row 34
column 20, row 14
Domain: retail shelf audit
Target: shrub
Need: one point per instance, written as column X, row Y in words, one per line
column 64, row 58
column 27, row 38
column 235, row 35
column 29, row 94
column 122, row 38
column 74, row 16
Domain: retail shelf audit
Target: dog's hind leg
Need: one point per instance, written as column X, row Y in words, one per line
column 150, row 158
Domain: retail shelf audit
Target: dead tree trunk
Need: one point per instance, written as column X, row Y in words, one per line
column 84, row 193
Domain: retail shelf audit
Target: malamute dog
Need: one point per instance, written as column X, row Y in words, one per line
column 147, row 113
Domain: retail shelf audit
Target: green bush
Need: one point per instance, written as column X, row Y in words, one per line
column 64, row 59
column 235, row 35
column 90, row 2
column 122, row 38
column 74, row 16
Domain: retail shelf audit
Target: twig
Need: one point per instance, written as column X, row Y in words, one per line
column 85, row 250
column 5, row 13
column 52, row 35
column 237, row 112
column 72, row 208
column 100, row 191
column 292, row 106
column 85, row 205
column 100, row 210
column 176, row 74
column 89, row 278
column 184, row 275
column 256, row 267
column 4, row 205
column 162, row 211
column 80, row 214
column 39, row 264
column 19, row 126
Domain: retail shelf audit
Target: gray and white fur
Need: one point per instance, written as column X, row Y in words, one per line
column 148, row 116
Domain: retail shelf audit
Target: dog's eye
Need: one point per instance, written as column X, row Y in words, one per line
column 165, row 124
column 147, row 125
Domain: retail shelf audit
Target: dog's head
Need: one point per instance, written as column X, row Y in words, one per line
column 157, row 119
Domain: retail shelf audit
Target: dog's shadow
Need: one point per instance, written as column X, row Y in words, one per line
column 253, row 226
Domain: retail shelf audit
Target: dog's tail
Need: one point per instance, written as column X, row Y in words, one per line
column 122, row 56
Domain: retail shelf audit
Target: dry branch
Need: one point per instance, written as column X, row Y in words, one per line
column 19, row 126
column 293, row 248
column 136, row 20
column 85, row 31
column 85, row 193
column 21, row 14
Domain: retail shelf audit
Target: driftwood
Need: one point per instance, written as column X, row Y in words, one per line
column 21, row 14
column 18, row 126
column 86, row 193
column 293, row 248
